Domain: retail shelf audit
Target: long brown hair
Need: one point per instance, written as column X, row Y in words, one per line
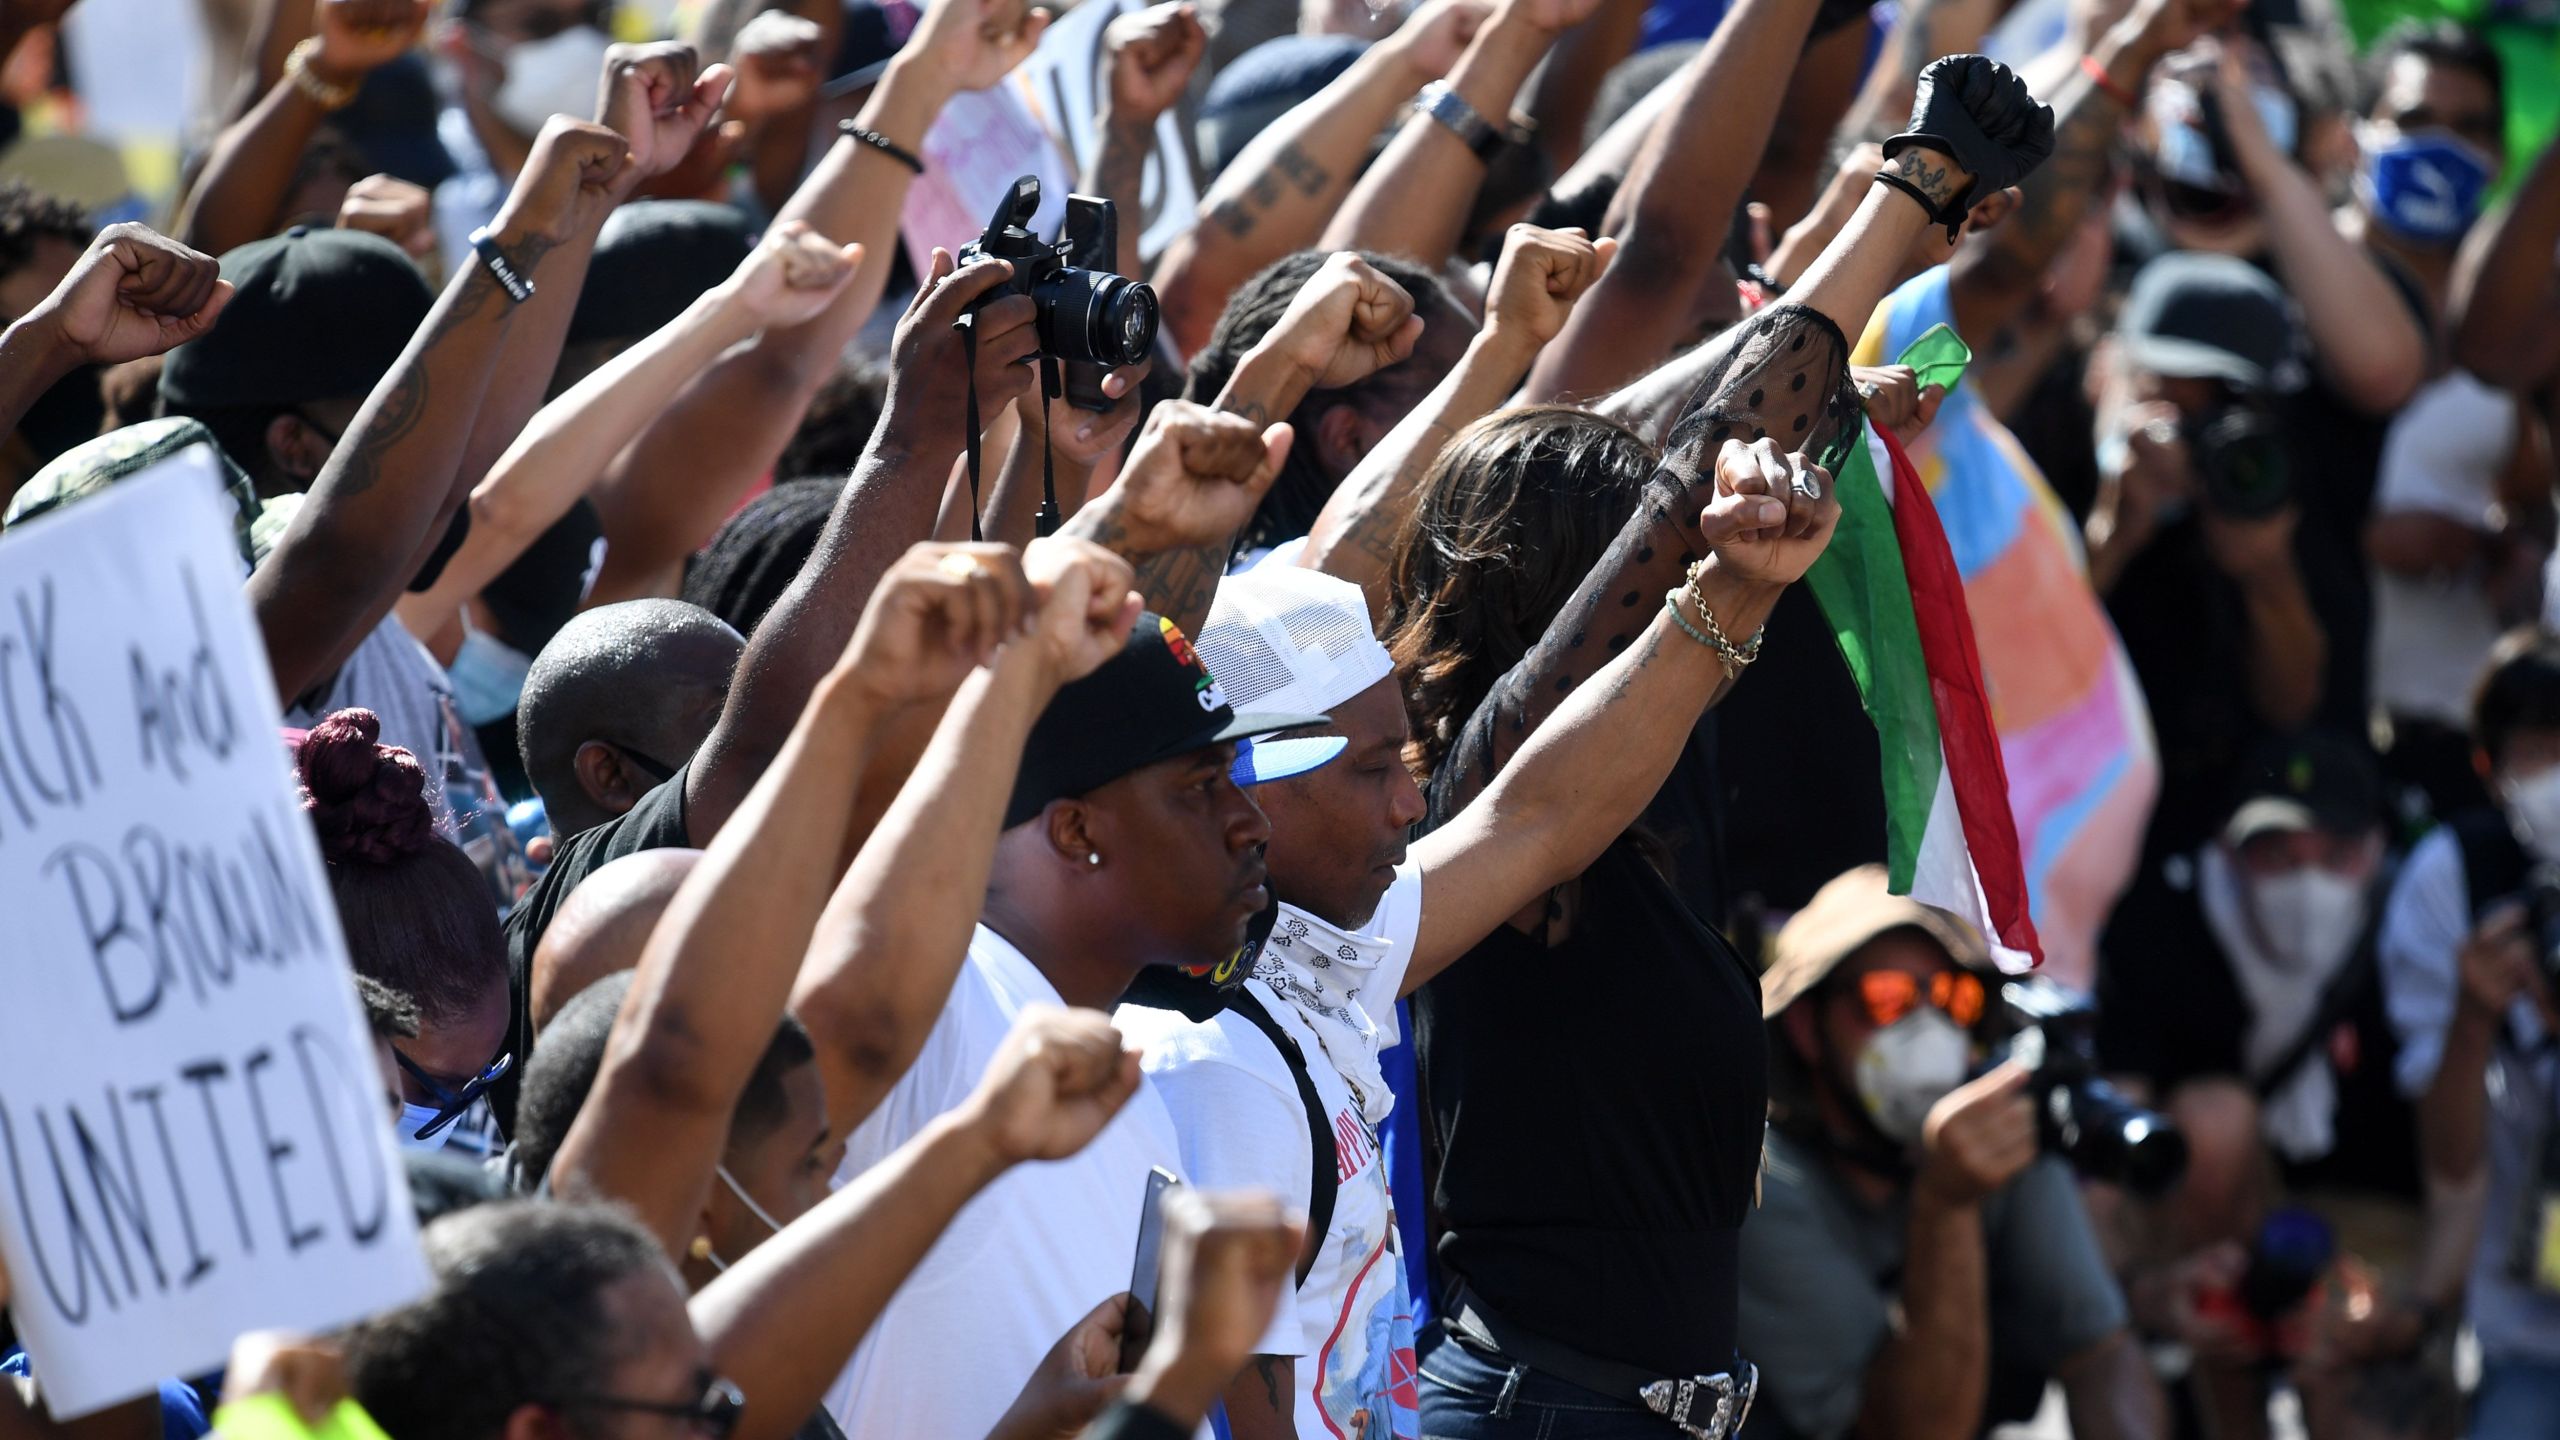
column 1511, row 517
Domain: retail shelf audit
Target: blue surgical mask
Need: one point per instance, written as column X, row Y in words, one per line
column 2427, row 185
column 488, row 677
column 414, row 1118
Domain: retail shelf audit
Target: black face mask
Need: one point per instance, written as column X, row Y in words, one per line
column 1199, row 992
column 68, row 415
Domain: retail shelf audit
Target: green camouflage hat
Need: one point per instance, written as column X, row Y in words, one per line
column 120, row 454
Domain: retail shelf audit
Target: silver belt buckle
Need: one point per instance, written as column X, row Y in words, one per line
column 1679, row 1400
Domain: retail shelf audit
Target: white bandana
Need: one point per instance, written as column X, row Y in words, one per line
column 1333, row 978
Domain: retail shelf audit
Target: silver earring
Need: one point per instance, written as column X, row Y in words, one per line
column 1093, row 857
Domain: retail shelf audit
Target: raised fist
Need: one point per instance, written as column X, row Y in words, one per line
column 1153, row 52
column 1978, row 113
column 1540, row 276
column 394, row 209
column 566, row 184
column 358, row 37
column 793, row 274
column 132, row 293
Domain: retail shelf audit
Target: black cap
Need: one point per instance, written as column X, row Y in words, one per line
column 2210, row 317
column 318, row 315
column 653, row 259
column 1264, row 83
column 1152, row 701
column 2312, row 782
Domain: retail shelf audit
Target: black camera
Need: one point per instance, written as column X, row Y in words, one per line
column 2079, row 1116
column 2240, row 458
column 1090, row 318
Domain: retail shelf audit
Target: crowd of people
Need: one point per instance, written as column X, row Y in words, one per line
column 935, row 845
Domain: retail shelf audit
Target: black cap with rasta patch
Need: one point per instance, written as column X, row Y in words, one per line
column 1152, row 701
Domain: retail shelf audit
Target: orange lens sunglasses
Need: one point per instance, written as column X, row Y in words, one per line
column 1890, row 994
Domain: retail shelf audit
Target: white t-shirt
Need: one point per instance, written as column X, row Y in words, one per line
column 2432, row 634
column 1243, row 1125
column 1022, row 1262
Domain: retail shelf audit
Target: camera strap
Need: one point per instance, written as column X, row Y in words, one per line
column 1050, row 385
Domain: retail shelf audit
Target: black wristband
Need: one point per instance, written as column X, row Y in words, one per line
column 883, row 144
column 501, row 269
column 1937, row 213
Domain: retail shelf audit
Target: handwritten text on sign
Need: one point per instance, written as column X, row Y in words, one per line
column 193, row 1133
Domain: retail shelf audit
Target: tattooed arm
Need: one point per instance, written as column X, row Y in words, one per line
column 1262, row 1401
column 1541, row 274
column 1998, row 276
column 1153, row 53
column 1672, row 214
column 388, row 490
column 1276, row 196
column 1414, row 201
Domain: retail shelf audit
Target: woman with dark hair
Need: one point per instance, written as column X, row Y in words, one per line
column 1589, row 1192
column 417, row 918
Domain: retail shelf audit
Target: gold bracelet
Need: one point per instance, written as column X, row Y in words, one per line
column 297, row 68
column 1734, row 658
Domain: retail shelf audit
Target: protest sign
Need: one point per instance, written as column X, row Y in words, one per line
column 983, row 142
column 194, row 1136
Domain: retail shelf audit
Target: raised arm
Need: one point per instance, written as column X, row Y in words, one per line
column 1189, row 485
column 783, row 1320
column 1414, row 201
column 240, row 195
column 1276, row 196
column 388, row 489
column 1996, row 278
column 132, row 293
column 653, row 514
column 569, row 442
column 888, row 505
column 880, row 966
column 1152, row 54
column 2363, row 336
column 2506, row 297
column 1592, row 767
column 1673, row 212
column 1785, row 381
column 1540, row 276
column 719, row 967
column 1347, row 322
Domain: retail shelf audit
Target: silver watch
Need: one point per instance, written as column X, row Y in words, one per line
column 1451, row 109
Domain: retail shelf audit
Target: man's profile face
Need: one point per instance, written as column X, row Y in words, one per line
column 1183, row 848
column 1338, row 831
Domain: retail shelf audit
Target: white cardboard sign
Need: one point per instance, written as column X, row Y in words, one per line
column 193, row 1135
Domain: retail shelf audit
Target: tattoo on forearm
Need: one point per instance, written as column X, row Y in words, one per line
column 1935, row 177
column 1179, row 584
column 1241, row 214
column 1268, row 1367
column 399, row 409
column 2056, row 198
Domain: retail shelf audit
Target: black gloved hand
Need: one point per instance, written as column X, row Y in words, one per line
column 1979, row 113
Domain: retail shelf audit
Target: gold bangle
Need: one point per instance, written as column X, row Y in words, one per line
column 297, row 68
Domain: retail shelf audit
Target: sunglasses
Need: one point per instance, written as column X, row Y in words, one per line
column 715, row 1414
column 1891, row 994
column 451, row 1103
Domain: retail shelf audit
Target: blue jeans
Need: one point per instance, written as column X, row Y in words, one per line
column 1467, row 1396
column 2517, row 1398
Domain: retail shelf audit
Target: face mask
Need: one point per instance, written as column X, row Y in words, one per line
column 414, row 1118
column 2309, row 918
column 488, row 677
column 1909, row 1066
column 740, row 1193
column 2427, row 186
column 2533, row 805
column 557, row 75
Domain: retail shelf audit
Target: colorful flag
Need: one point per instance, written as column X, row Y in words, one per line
column 1889, row 587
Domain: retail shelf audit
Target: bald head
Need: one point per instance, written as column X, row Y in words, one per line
column 617, row 701
column 600, row 929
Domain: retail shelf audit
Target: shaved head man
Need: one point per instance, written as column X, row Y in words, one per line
column 603, row 925
column 616, row 703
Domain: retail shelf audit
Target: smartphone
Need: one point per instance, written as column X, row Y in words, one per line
column 1938, row 357
column 1143, row 1276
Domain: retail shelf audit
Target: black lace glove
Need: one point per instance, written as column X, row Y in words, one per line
column 1978, row 112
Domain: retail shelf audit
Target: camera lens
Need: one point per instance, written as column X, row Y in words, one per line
column 1124, row 322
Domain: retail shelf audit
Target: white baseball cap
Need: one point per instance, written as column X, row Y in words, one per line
column 1288, row 639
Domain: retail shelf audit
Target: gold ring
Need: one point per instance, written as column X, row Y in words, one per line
column 960, row 565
